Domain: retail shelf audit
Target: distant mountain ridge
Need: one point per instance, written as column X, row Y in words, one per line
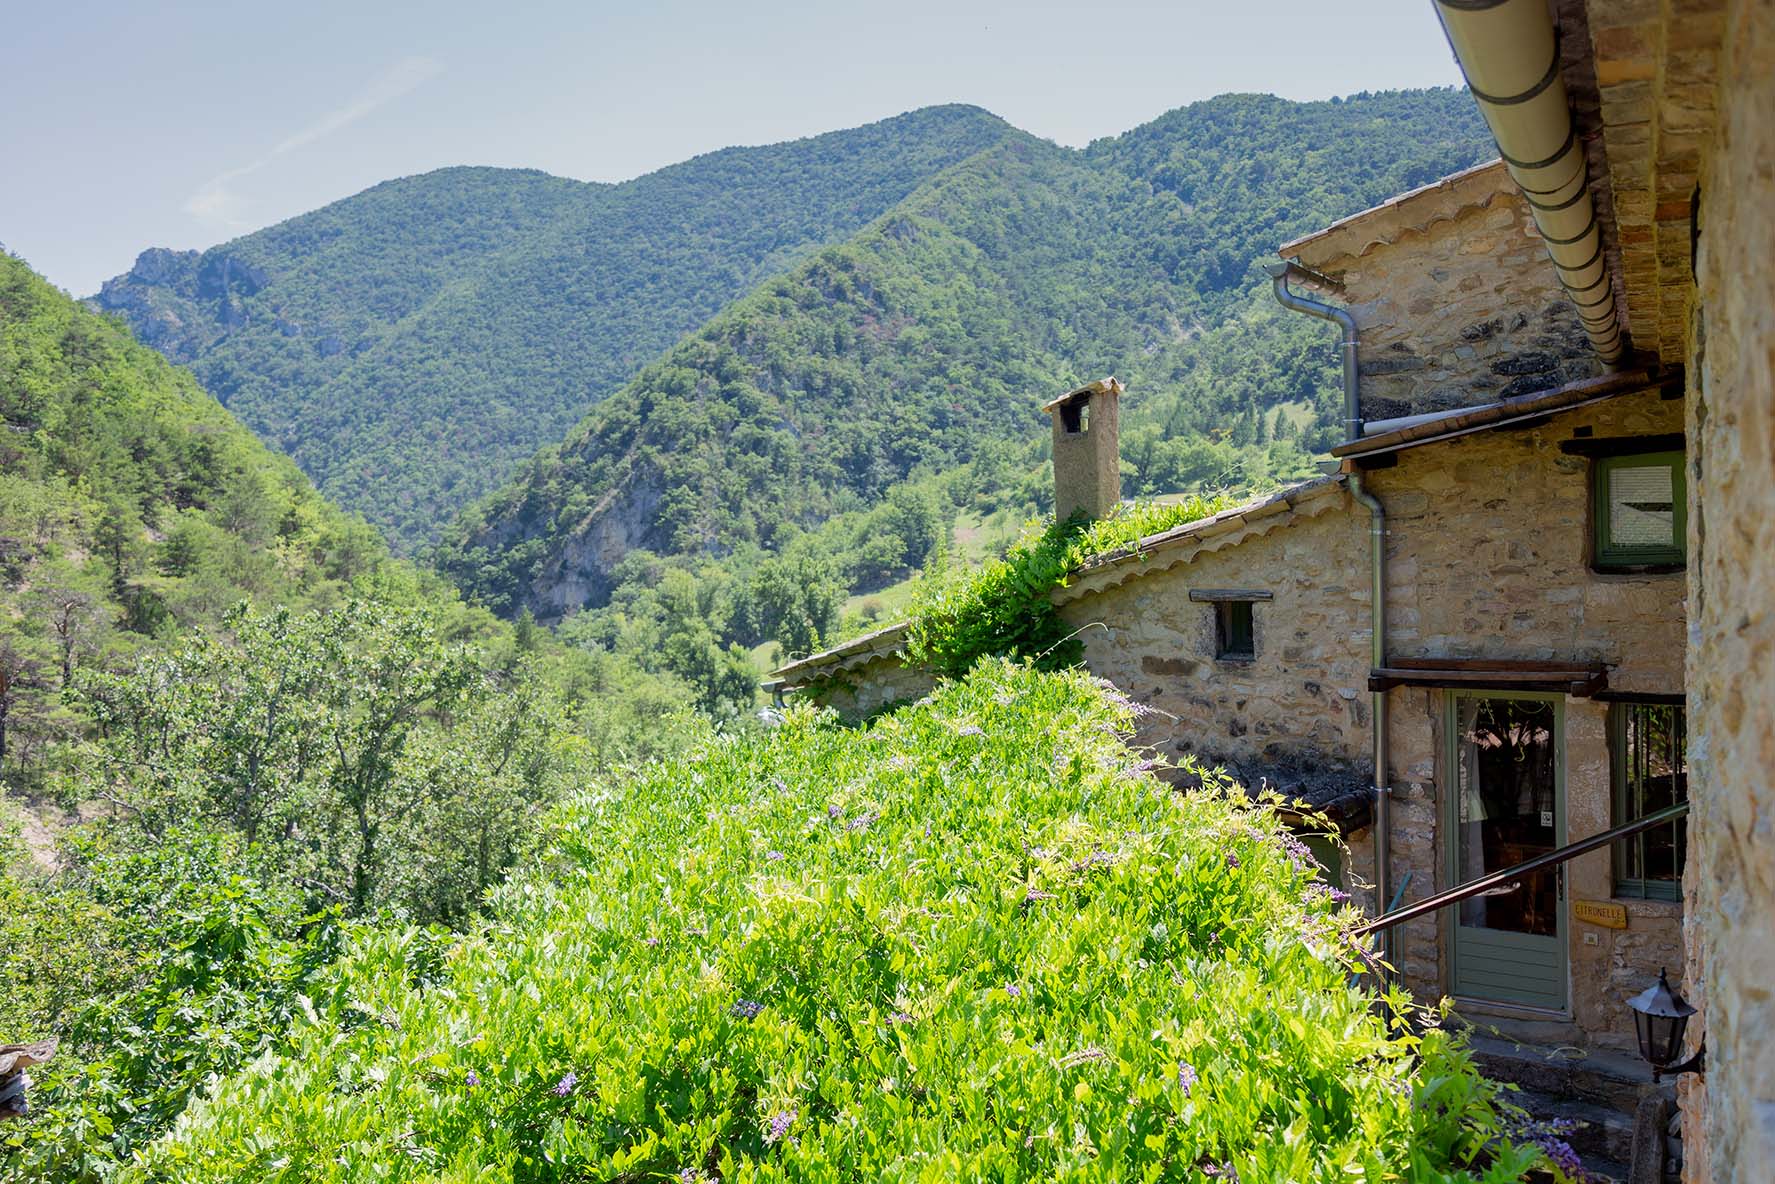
column 926, row 341
column 410, row 345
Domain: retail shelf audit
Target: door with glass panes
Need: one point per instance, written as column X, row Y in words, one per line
column 1507, row 805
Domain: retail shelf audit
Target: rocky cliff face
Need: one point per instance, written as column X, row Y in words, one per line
column 183, row 302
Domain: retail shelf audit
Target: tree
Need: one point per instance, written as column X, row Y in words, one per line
column 361, row 751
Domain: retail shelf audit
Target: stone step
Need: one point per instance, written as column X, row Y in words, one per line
column 1602, row 1133
column 1597, row 1076
column 1602, row 1091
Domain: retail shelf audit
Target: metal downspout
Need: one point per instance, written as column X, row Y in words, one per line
column 1377, row 546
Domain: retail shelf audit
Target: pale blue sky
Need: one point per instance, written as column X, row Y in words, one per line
column 132, row 124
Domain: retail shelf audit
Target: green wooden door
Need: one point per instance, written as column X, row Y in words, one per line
column 1507, row 754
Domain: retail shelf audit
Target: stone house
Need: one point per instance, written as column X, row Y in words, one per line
column 1562, row 453
column 1248, row 634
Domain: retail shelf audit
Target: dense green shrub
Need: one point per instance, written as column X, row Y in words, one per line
column 1004, row 607
column 977, row 941
column 369, row 760
column 159, row 965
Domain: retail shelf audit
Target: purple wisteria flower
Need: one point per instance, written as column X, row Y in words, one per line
column 969, row 730
column 900, row 1017
column 862, row 821
column 773, row 856
column 746, row 1009
column 1035, row 894
column 650, row 941
column 1186, row 1078
column 1232, row 859
column 473, row 1079
column 690, row 1176
column 565, row 1086
column 1549, row 1135
column 1224, row 1171
column 779, row 1125
column 1299, row 853
column 1013, row 990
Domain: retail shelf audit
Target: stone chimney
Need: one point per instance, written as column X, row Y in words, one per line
column 1087, row 449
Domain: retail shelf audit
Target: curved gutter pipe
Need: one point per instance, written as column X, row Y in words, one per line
column 1377, row 549
column 1509, row 52
column 1280, row 273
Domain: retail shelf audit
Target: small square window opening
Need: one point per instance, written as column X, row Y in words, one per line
column 1234, row 637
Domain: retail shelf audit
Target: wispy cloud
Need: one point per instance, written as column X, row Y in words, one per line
column 217, row 201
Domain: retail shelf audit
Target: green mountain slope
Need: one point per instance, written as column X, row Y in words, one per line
column 134, row 509
column 410, row 345
column 927, row 341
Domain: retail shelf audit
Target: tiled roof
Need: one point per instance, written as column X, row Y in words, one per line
column 1461, row 421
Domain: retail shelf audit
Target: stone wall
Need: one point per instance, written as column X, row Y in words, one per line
column 881, row 682
column 1730, row 1125
column 1454, row 296
column 1488, row 557
column 1299, row 708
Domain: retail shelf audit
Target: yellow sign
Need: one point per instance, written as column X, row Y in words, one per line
column 1601, row 912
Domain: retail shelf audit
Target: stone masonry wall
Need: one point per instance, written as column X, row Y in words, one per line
column 879, row 683
column 1729, row 1131
column 1301, row 706
column 1462, row 311
column 1488, row 539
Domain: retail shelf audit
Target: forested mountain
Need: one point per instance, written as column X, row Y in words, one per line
column 410, row 345
column 925, row 343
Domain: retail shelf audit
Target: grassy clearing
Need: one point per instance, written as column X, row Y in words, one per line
column 977, row 941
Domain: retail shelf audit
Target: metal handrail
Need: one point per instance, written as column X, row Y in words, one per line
column 1553, row 858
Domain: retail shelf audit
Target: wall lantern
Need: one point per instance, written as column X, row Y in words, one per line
column 1660, row 1016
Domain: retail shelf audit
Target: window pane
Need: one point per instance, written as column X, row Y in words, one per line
column 1652, row 776
column 1507, row 780
column 1642, row 506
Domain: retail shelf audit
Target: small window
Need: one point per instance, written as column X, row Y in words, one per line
column 1234, row 638
column 1640, row 511
column 1651, row 772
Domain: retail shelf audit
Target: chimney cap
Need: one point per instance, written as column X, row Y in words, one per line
column 1103, row 386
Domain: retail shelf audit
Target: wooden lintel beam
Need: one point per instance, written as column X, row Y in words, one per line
column 1212, row 595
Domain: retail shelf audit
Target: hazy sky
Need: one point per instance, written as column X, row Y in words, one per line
column 131, row 124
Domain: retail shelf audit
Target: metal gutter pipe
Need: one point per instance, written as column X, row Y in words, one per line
column 1377, row 550
column 1279, row 275
column 1509, row 52
column 1377, row 633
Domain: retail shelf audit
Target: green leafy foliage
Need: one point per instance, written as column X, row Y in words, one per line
column 369, row 745
column 161, row 966
column 978, row 940
column 1005, row 607
column 260, row 785
column 373, row 763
